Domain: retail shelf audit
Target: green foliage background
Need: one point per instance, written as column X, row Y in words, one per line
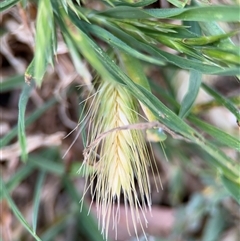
column 201, row 47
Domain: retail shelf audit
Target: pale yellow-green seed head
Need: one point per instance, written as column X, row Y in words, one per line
column 120, row 159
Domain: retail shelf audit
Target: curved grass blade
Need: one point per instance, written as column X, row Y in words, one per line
column 21, row 120
column 16, row 211
column 191, row 95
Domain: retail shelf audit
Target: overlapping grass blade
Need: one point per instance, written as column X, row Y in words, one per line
column 224, row 56
column 116, row 42
column 74, row 8
column 21, row 120
column 191, row 95
column 77, row 61
column 155, row 53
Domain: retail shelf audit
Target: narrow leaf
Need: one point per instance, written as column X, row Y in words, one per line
column 36, row 199
column 34, row 116
column 21, row 120
column 178, row 3
column 205, row 14
column 11, row 83
column 191, row 95
column 16, row 211
column 17, row 178
column 218, row 134
column 7, row 4
column 44, row 36
column 232, row 187
column 224, row 101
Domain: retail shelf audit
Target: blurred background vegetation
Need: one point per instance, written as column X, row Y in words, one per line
column 51, row 50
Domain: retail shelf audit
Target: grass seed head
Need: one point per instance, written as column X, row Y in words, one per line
column 120, row 159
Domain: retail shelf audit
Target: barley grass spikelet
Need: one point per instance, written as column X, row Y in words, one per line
column 120, row 160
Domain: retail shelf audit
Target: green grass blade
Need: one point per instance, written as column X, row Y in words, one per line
column 21, row 120
column 46, row 164
column 142, row 3
column 16, row 179
column 36, row 200
column 163, row 56
column 76, row 11
column 12, row 83
column 201, row 14
column 86, row 221
column 205, row 14
column 76, row 59
column 208, row 39
column 16, row 211
column 29, row 120
column 218, row 134
column 214, row 226
column 44, row 44
column 90, row 53
column 232, row 187
column 194, row 64
column 56, row 228
column 117, row 43
column 178, row 3
column 224, row 101
column 7, row 4
column 191, row 95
